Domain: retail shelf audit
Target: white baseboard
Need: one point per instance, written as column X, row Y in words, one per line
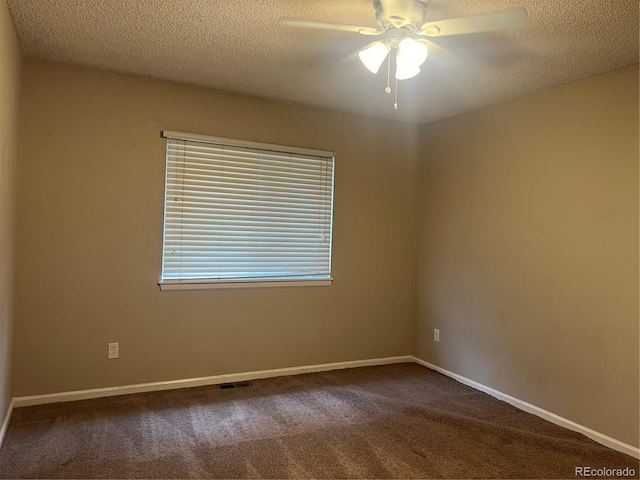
column 5, row 423
column 198, row 382
column 527, row 407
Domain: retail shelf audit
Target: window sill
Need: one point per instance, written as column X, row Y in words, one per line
column 204, row 285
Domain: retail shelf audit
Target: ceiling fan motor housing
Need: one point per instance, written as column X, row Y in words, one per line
column 405, row 14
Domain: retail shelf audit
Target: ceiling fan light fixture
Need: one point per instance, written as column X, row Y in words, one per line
column 412, row 51
column 401, row 22
column 373, row 56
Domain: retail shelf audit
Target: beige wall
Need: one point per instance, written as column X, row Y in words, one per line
column 10, row 66
column 528, row 252
column 90, row 238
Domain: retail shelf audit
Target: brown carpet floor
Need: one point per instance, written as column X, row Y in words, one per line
column 393, row 421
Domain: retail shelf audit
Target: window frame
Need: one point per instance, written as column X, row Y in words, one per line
column 244, row 282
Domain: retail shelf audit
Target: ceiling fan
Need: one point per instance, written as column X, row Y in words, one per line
column 402, row 23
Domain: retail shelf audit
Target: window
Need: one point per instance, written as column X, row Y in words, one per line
column 240, row 213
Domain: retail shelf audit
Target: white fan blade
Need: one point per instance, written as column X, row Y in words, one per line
column 290, row 22
column 483, row 22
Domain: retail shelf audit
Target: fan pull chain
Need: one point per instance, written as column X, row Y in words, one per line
column 388, row 89
column 395, row 104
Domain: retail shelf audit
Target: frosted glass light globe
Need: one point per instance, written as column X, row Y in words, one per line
column 373, row 56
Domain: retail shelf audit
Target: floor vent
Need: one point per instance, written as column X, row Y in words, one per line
column 227, row 386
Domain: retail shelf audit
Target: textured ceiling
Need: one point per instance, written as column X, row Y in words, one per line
column 238, row 46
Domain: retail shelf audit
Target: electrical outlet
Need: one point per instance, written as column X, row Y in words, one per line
column 436, row 335
column 113, row 351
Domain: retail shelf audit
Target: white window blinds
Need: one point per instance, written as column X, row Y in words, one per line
column 240, row 211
